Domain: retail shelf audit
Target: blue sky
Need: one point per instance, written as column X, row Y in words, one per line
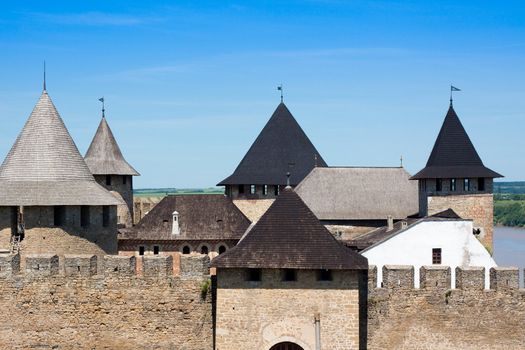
column 189, row 84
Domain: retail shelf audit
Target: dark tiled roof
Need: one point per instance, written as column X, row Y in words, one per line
column 281, row 142
column 290, row 236
column 382, row 233
column 454, row 154
column 207, row 216
column 104, row 157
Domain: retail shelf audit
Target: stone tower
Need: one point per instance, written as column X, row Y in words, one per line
column 456, row 178
column 107, row 164
column 281, row 147
column 289, row 284
column 50, row 202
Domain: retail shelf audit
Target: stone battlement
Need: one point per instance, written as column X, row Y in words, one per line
column 401, row 277
column 111, row 266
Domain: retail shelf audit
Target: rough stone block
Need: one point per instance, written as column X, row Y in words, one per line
column 119, row 265
column 372, row 277
column 9, row 265
column 194, row 265
column 80, row 265
column 398, row 277
column 470, row 278
column 42, row 265
column 434, row 277
column 158, row 265
column 504, row 278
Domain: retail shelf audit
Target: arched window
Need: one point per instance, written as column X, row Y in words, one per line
column 186, row 249
column 205, row 249
column 222, row 249
column 286, row 346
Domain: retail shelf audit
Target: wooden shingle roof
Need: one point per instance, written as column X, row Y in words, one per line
column 44, row 166
column 104, row 157
column 201, row 217
column 454, row 155
column 281, row 142
column 289, row 235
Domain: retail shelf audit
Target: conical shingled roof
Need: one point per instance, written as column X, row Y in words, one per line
column 281, row 142
column 104, row 157
column 454, row 155
column 44, row 166
column 289, row 235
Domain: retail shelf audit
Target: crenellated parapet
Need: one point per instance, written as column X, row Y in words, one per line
column 38, row 266
column 401, row 277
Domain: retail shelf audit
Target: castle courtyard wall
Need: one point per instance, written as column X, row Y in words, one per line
column 76, row 308
column 258, row 315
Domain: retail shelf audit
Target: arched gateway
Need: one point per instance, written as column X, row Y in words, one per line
column 286, row 346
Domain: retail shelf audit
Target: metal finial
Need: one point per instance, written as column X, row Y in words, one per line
column 401, row 159
column 452, row 88
column 44, row 75
column 288, row 180
column 103, row 109
column 280, row 88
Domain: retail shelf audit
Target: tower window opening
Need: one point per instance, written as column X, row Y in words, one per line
column 59, row 215
column 254, row 275
column 324, row 275
column 108, row 180
column 265, row 190
column 222, row 249
column 439, row 185
column 252, row 189
column 241, row 189
column 205, row 249
column 453, row 185
column 84, row 216
column 186, row 249
column 276, row 190
column 466, row 185
column 156, row 250
column 124, row 179
column 481, row 184
column 142, row 250
column 105, row 215
column 436, row 256
column 289, row 275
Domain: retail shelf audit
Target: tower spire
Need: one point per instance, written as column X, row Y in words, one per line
column 44, row 76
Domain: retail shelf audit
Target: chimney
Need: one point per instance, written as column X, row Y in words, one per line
column 175, row 230
column 390, row 223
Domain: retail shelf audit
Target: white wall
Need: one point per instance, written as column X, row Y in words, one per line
column 414, row 246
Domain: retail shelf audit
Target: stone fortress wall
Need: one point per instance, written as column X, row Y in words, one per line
column 435, row 316
column 91, row 303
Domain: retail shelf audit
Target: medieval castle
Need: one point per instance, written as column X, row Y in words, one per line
column 296, row 254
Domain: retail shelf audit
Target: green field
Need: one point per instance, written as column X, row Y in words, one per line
column 160, row 192
column 509, row 203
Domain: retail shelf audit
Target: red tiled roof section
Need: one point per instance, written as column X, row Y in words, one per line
column 289, row 235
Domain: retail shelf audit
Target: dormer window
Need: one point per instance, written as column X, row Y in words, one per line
column 175, row 229
column 453, row 185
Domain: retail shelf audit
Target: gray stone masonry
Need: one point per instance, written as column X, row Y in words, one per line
column 398, row 277
column 80, row 265
column 119, row 264
column 434, row 277
column 9, row 265
column 470, row 278
column 504, row 278
column 194, row 265
column 38, row 265
column 157, row 265
column 372, row 277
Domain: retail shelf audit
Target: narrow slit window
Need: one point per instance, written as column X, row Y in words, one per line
column 241, row 189
column 436, row 256
column 59, row 215
column 142, row 249
column 124, row 179
column 481, row 184
column 105, row 215
column 265, row 190
column 84, row 216
column 466, row 185
column 439, row 185
column 452, row 185
column 108, row 180
column 253, row 189
column 156, row 250
column 276, row 190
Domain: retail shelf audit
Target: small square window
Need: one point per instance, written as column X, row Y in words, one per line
column 254, row 275
column 156, row 250
column 324, row 275
column 436, row 256
column 452, row 185
column 252, row 189
column 289, row 275
column 142, row 249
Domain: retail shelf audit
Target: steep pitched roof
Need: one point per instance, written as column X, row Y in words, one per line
column 281, row 142
column 359, row 193
column 104, row 157
column 289, row 236
column 207, row 216
column 454, row 154
column 44, row 166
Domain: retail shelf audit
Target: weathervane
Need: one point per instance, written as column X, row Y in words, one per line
column 103, row 109
column 280, row 88
column 401, row 159
column 44, row 75
column 452, row 88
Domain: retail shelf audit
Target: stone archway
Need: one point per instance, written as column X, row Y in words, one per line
column 286, row 346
